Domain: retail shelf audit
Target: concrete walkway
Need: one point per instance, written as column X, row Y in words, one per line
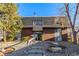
column 15, row 44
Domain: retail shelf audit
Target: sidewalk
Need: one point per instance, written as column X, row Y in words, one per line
column 39, row 49
column 15, row 44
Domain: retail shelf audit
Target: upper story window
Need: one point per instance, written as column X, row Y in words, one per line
column 37, row 25
column 37, row 22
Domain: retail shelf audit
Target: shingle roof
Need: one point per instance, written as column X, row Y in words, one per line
column 51, row 21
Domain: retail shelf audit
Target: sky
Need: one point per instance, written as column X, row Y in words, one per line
column 41, row 9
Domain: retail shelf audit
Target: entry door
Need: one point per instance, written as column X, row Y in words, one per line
column 58, row 36
column 37, row 35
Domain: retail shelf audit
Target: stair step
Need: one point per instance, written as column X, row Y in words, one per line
column 35, row 50
column 35, row 47
column 33, row 54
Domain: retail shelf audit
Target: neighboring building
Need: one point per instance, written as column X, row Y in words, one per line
column 49, row 28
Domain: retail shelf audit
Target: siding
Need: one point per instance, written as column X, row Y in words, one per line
column 26, row 32
column 48, row 34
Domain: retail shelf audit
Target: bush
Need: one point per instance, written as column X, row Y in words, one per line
column 69, row 40
column 26, row 38
column 10, row 38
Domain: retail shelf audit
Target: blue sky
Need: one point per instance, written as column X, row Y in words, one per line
column 41, row 9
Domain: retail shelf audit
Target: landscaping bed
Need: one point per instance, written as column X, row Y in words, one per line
column 7, row 47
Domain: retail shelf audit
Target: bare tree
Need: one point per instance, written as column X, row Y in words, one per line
column 72, row 20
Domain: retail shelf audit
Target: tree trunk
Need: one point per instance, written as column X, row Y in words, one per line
column 4, row 39
column 4, row 35
column 74, row 36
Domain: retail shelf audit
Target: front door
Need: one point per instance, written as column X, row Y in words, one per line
column 37, row 35
column 58, row 36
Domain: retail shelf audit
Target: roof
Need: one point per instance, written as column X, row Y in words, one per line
column 40, row 22
column 45, row 16
column 48, row 21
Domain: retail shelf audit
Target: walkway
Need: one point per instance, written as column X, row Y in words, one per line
column 40, row 49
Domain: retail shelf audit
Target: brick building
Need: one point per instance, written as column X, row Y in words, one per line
column 51, row 27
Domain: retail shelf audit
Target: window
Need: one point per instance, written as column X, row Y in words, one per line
column 58, row 36
column 37, row 25
column 37, row 22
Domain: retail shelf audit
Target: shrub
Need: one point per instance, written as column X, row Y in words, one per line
column 26, row 38
column 69, row 40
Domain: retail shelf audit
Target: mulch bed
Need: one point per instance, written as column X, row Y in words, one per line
column 1, row 53
column 7, row 50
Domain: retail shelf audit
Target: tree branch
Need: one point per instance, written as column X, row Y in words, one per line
column 68, row 14
column 75, row 15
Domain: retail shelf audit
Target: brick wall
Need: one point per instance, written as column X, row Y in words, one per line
column 64, row 33
column 26, row 32
column 48, row 34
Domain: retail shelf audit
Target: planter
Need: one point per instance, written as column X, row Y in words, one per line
column 55, row 48
column 8, row 50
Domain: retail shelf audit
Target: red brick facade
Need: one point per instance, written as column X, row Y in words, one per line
column 26, row 32
column 47, row 33
column 50, row 27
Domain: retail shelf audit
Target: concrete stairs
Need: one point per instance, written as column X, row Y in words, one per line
column 36, row 50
